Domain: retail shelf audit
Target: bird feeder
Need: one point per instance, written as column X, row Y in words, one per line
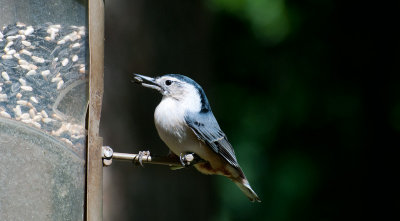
column 51, row 85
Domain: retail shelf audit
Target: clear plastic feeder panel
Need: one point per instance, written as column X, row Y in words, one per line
column 43, row 104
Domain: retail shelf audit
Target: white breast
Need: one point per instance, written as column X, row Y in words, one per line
column 170, row 123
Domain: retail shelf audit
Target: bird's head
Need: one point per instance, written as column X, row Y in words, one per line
column 178, row 87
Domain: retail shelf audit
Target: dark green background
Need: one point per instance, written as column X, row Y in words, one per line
column 307, row 92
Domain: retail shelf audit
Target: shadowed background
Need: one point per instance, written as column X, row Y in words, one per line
column 307, row 92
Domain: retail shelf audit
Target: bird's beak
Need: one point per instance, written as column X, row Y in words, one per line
column 147, row 82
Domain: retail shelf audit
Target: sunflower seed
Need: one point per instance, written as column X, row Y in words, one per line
column 5, row 76
column 5, row 114
column 34, row 100
column 64, row 62
column 26, row 88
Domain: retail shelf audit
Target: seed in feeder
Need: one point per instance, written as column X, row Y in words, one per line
column 52, row 36
column 51, row 30
column 47, row 120
column 60, row 42
column 77, row 129
column 33, row 99
column 5, row 114
column 50, row 60
column 20, row 24
column 22, row 81
column 82, row 69
column 44, row 114
column 55, row 27
column 74, row 36
column 29, row 30
column 56, row 79
column 55, row 116
column 23, row 62
column 31, row 72
column 30, row 121
column 24, row 66
column 37, row 118
column 12, row 37
column 12, row 51
column 29, row 104
column 32, row 113
column 32, row 67
column 9, row 44
column 64, row 62
column 75, row 45
column 67, row 141
column 65, row 39
column 36, row 124
column 6, row 56
column 26, row 43
column 25, row 116
column 26, row 88
column 77, row 136
column 22, row 102
column 3, row 97
column 81, row 30
column 5, row 76
column 24, row 51
column 28, row 67
column 60, row 84
column 45, row 73
column 38, row 59
column 27, row 121
column 17, row 110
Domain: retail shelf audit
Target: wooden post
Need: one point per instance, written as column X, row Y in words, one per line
column 94, row 193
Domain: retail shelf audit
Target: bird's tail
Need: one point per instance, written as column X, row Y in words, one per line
column 245, row 187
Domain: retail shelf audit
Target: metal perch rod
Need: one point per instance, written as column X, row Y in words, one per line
column 145, row 157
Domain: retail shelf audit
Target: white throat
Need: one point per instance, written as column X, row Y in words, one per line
column 169, row 116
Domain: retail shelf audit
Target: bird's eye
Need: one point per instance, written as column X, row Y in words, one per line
column 168, row 82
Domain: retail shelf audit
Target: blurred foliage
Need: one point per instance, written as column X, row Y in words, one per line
column 293, row 107
column 268, row 18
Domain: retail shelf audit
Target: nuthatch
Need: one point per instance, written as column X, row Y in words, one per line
column 186, row 124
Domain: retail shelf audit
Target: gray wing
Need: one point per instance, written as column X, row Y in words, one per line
column 206, row 128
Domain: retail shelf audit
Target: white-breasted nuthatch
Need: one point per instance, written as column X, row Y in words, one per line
column 186, row 124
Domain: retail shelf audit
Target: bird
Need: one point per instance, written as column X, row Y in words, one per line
column 186, row 124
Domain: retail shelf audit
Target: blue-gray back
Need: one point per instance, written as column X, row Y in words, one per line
column 206, row 128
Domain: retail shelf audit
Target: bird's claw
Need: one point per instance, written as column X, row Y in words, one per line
column 186, row 159
column 141, row 155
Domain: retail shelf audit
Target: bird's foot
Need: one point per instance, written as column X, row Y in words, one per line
column 141, row 155
column 188, row 159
